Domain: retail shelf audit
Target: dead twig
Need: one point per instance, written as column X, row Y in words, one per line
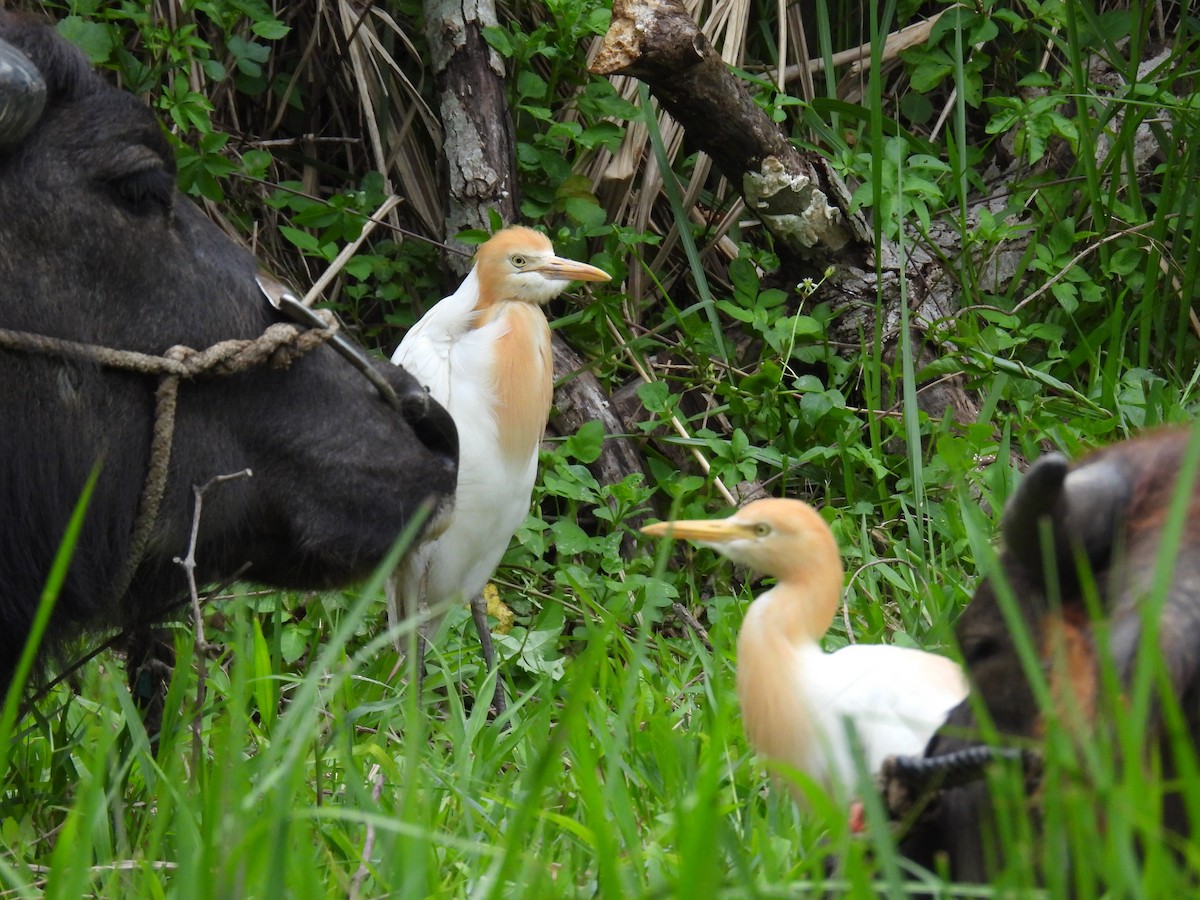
column 350, row 249
column 693, row 623
column 362, row 872
column 188, row 563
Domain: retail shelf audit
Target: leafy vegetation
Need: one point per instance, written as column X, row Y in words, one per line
column 312, row 769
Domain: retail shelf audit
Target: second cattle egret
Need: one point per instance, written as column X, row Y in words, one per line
column 801, row 705
column 484, row 354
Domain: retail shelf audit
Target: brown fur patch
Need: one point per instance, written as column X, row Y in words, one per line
column 1074, row 680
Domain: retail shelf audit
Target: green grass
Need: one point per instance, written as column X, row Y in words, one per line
column 621, row 769
column 626, row 776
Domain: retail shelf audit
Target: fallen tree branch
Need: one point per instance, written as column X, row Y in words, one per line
column 795, row 195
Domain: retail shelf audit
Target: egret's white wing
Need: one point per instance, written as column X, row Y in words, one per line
column 453, row 360
column 427, row 349
column 894, row 697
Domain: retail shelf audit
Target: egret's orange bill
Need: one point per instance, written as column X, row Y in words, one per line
column 711, row 530
column 570, row 270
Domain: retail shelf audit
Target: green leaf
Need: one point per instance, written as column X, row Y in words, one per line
column 586, row 444
column 264, row 680
column 931, row 67
column 734, row 311
column 293, row 643
column 214, row 69
column 531, row 85
column 1066, row 295
column 654, row 395
column 360, row 267
column 534, row 651
column 1126, row 261
column 301, row 239
column 585, row 211
column 744, row 279
column 767, row 378
column 95, row 39
column 499, row 40
column 270, row 29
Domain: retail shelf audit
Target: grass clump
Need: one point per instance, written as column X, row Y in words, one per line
column 1058, row 204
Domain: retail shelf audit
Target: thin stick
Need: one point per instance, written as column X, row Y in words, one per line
column 349, row 250
column 675, row 423
column 369, row 842
column 189, row 568
column 895, row 42
column 1062, row 273
column 693, row 623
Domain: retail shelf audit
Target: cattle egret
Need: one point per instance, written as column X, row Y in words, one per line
column 484, row 354
column 801, row 705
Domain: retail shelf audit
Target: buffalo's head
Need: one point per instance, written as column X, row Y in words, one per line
column 1078, row 567
column 97, row 246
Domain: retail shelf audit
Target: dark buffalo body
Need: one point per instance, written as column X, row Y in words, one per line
column 97, row 246
column 1108, row 510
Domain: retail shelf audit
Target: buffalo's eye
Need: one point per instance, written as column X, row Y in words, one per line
column 146, row 189
column 140, row 178
column 975, row 650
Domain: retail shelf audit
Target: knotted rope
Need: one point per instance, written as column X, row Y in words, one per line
column 277, row 348
column 912, row 786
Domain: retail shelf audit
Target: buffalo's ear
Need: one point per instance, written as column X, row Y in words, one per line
column 1084, row 506
column 1036, row 498
column 1097, row 498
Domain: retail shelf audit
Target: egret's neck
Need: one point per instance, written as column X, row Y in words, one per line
column 802, row 605
column 486, row 297
column 779, row 656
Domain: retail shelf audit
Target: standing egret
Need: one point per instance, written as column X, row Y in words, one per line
column 801, row 705
column 484, row 354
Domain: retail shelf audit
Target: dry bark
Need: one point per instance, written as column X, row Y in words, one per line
column 478, row 147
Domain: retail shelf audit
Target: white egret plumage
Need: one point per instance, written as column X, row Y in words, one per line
column 797, row 700
column 484, row 354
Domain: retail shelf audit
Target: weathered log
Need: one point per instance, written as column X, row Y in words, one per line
column 580, row 399
column 796, row 195
column 478, row 145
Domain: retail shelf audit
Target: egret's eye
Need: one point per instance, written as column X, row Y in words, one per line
column 761, row 529
column 518, row 261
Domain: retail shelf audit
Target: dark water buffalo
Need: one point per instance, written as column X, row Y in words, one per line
column 97, row 246
column 1109, row 510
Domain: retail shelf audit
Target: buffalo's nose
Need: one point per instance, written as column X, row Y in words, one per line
column 429, row 420
column 432, row 424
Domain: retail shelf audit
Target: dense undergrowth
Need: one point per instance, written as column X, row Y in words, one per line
column 314, row 770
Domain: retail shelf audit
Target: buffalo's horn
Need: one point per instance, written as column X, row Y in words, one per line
column 22, row 95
